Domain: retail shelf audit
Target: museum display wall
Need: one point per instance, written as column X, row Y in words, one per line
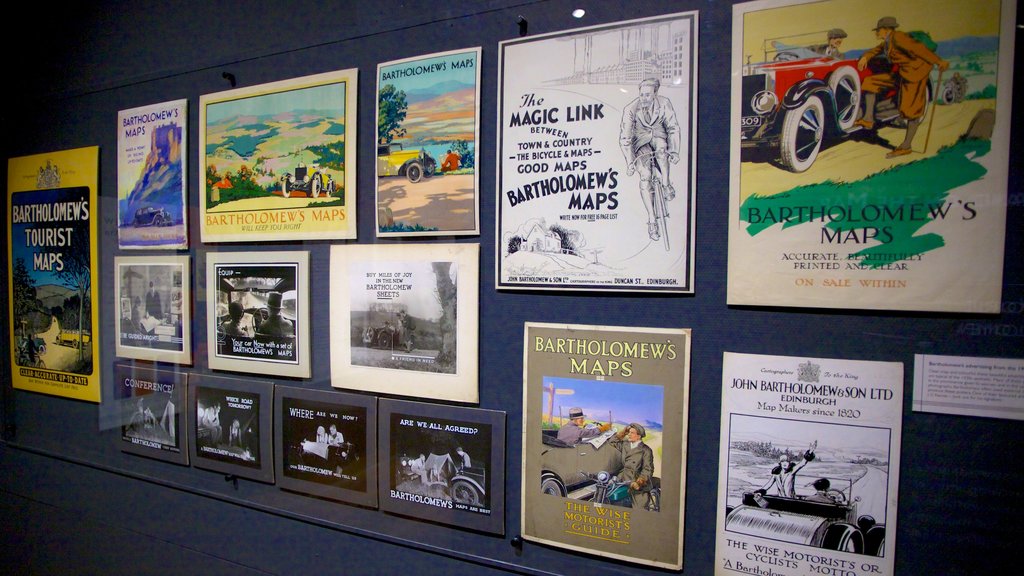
column 73, row 500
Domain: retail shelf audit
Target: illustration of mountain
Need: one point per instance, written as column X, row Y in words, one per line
column 52, row 295
column 159, row 183
column 443, row 118
column 439, row 89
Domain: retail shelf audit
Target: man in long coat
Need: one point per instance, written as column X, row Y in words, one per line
column 637, row 463
column 915, row 62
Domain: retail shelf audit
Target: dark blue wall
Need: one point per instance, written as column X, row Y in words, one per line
column 73, row 503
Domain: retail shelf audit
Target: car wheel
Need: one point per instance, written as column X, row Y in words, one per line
column 465, row 493
column 549, row 484
column 384, row 340
column 284, row 188
column 845, row 85
column 414, row 172
column 315, row 186
column 844, row 538
column 874, row 541
column 802, row 132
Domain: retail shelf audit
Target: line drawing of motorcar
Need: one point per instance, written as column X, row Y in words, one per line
column 796, row 99
column 833, row 525
column 151, row 216
column 307, row 179
column 414, row 164
column 567, row 469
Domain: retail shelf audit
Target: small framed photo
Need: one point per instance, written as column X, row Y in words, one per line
column 258, row 308
column 326, row 444
column 404, row 319
column 153, row 414
column 154, row 300
column 443, row 463
column 230, row 426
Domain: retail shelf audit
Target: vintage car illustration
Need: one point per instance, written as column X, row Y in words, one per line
column 309, row 180
column 465, row 484
column 834, row 525
column 568, row 470
column 151, row 216
column 387, row 336
column 414, row 164
column 797, row 99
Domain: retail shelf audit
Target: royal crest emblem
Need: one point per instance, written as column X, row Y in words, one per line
column 808, row 372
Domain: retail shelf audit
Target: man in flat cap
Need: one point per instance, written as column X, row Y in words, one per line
column 915, row 63
column 637, row 463
column 832, row 47
column 574, row 430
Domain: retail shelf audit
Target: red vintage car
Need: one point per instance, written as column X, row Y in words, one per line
column 797, row 99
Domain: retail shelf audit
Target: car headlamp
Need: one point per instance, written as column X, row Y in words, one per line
column 764, row 102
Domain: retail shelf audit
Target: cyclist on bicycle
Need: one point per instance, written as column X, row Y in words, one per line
column 649, row 126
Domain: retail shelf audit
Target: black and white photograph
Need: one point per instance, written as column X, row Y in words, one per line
column 231, row 425
column 326, row 444
column 404, row 319
column 257, row 307
column 154, row 320
column 153, row 415
column 398, row 324
column 443, row 463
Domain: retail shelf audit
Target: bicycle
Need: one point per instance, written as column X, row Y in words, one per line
column 658, row 202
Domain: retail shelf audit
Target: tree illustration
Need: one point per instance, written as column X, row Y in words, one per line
column 24, row 290
column 447, row 295
column 77, row 276
column 392, row 106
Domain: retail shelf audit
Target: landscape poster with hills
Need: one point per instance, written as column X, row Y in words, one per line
column 870, row 146
column 278, row 160
column 428, row 127
column 52, row 250
column 151, row 176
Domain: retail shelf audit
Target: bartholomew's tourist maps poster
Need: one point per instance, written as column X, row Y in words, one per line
column 52, row 218
column 809, row 466
column 278, row 160
column 596, row 158
column 869, row 154
column 604, row 440
column 151, row 176
column 428, row 126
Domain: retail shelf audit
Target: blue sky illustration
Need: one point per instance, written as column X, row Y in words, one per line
column 641, row 403
column 329, row 98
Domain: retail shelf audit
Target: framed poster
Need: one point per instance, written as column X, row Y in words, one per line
column 326, row 444
column 443, row 463
column 257, row 305
column 153, row 413
column 596, row 172
column 604, row 440
column 428, row 126
column 404, row 319
column 279, row 160
column 154, row 302
column 854, row 186
column 152, row 147
column 53, row 256
column 231, row 426
column 809, row 465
